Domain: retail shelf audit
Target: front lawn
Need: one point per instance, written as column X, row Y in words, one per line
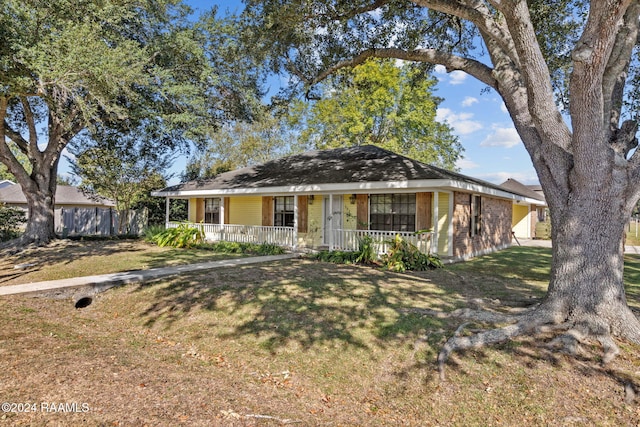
column 305, row 343
column 63, row 259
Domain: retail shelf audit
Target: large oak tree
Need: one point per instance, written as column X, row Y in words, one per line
column 68, row 69
column 566, row 71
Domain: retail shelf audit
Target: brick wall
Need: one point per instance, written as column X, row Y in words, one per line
column 495, row 232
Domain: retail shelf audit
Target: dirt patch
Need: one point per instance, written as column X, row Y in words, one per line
column 294, row 342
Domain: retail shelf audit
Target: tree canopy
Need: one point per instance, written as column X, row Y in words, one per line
column 73, row 68
column 384, row 104
column 567, row 72
column 121, row 168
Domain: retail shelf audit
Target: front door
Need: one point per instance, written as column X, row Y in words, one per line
column 332, row 218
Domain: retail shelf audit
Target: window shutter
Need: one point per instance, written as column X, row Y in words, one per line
column 267, row 211
column 303, row 210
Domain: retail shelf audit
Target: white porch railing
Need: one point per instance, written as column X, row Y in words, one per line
column 281, row 236
column 348, row 240
column 340, row 239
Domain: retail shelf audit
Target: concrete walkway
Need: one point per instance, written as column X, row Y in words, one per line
column 95, row 284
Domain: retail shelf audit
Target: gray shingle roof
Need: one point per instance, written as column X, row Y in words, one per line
column 337, row 166
column 65, row 195
column 518, row 188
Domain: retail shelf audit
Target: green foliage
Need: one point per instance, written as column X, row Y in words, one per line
column 383, row 104
column 240, row 144
column 403, row 256
column 10, row 219
column 366, row 251
column 243, row 248
column 81, row 70
column 151, row 232
column 336, row 257
column 182, row 236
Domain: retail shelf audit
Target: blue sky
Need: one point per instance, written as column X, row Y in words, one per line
column 492, row 149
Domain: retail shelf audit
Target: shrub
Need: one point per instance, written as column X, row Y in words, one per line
column 243, row 248
column 366, row 251
column 10, row 219
column 336, row 257
column 182, row 236
column 149, row 234
column 403, row 256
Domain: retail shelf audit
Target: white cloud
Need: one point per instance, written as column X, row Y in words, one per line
column 468, row 101
column 466, row 164
column 503, row 107
column 502, row 137
column 440, row 69
column 462, row 123
column 457, row 77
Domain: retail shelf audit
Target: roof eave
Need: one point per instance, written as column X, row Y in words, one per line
column 346, row 188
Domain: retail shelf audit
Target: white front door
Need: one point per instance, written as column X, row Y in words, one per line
column 332, row 218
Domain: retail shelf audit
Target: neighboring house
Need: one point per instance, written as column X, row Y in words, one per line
column 70, row 204
column 333, row 197
column 5, row 183
column 527, row 216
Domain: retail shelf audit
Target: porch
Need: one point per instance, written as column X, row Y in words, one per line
column 288, row 237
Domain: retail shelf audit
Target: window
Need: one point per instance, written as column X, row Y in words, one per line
column 476, row 215
column 212, row 211
column 283, row 211
column 393, row 212
column 542, row 214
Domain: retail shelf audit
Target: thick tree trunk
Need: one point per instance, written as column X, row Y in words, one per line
column 40, row 194
column 586, row 288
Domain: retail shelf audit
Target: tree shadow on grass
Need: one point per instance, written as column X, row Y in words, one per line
column 58, row 252
column 311, row 303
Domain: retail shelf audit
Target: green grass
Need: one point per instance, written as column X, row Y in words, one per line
column 65, row 259
column 309, row 342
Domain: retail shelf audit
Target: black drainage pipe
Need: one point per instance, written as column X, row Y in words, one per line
column 84, row 302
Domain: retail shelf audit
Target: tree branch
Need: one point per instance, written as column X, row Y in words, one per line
column 617, row 68
column 432, row 56
column 535, row 73
column 479, row 15
column 334, row 15
column 5, row 152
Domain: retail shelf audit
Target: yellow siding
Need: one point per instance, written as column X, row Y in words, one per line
column 245, row 210
column 520, row 221
column 350, row 213
column 444, row 218
column 313, row 236
column 192, row 209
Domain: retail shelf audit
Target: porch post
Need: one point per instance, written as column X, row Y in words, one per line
column 295, row 223
column 167, row 202
column 221, row 219
column 331, row 222
column 436, row 220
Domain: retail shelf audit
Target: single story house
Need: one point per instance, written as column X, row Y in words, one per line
column 72, row 208
column 526, row 216
column 333, row 198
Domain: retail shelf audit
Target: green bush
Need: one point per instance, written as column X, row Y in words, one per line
column 242, row 248
column 337, row 257
column 403, row 256
column 10, row 219
column 182, row 236
column 366, row 251
column 149, row 234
